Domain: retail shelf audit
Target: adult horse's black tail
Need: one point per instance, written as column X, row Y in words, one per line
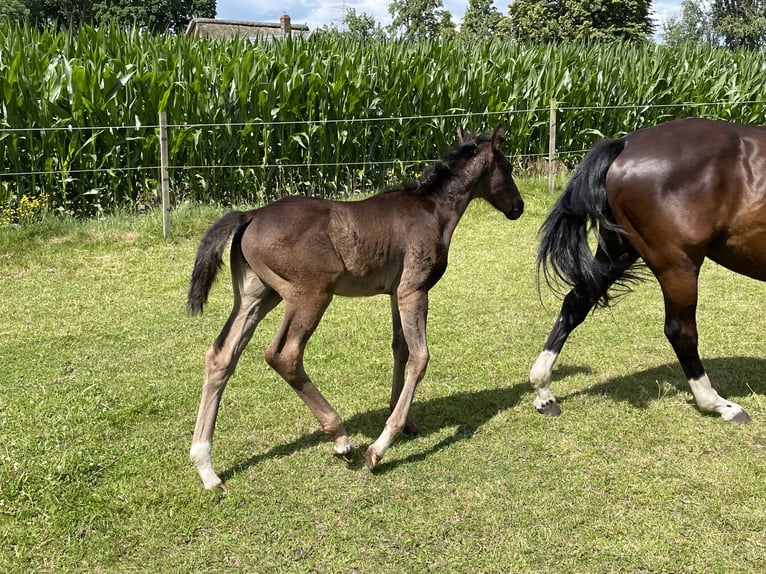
column 564, row 253
column 209, row 258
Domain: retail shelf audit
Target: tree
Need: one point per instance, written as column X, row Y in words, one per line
column 694, row 25
column 481, row 20
column 155, row 15
column 560, row 20
column 419, row 19
column 14, row 11
column 740, row 23
column 363, row 26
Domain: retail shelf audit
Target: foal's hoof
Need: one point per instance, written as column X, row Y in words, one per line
column 371, row 458
column 411, row 428
column 346, row 452
column 551, row 409
column 740, row 418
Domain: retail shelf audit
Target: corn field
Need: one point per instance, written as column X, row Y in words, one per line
column 328, row 115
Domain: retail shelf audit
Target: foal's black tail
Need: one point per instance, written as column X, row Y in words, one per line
column 564, row 253
column 209, row 258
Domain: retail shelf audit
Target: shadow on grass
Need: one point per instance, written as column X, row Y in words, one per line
column 467, row 410
column 731, row 377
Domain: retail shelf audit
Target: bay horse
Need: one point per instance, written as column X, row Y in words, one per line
column 671, row 195
column 305, row 250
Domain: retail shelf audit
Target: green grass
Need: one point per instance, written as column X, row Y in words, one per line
column 101, row 370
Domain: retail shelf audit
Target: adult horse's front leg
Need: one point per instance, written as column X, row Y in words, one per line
column 285, row 356
column 679, row 288
column 413, row 310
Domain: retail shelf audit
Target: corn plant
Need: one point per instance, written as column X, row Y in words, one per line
column 252, row 120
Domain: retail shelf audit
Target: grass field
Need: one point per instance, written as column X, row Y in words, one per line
column 100, row 370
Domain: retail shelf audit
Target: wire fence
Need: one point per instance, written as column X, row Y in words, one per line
column 204, row 156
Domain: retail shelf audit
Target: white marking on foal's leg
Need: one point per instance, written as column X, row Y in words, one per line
column 540, row 379
column 200, row 456
column 710, row 401
column 378, row 449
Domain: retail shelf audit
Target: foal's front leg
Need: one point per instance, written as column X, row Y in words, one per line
column 413, row 310
column 401, row 352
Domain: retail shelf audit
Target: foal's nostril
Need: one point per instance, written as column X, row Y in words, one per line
column 516, row 212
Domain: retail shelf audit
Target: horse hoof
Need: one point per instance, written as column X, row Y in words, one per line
column 551, row 409
column 740, row 418
column 411, row 429
column 220, row 487
column 347, row 453
column 371, row 458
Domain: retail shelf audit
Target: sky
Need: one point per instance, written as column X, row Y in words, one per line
column 318, row 13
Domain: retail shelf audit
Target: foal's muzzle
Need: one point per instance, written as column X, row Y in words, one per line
column 516, row 211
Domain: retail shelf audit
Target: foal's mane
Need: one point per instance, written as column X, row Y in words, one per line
column 442, row 170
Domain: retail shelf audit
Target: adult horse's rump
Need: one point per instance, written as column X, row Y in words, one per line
column 671, row 195
column 304, row 250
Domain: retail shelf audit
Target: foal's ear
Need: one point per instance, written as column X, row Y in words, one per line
column 497, row 137
column 462, row 134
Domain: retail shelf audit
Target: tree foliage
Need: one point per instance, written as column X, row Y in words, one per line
column 154, row 15
column 420, row 19
column 362, row 25
column 740, row 23
column 564, row 20
column 730, row 23
column 693, row 25
column 15, row 11
column 483, row 20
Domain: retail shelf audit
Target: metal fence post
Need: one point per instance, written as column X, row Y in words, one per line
column 552, row 145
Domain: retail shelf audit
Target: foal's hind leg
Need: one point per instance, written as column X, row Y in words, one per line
column 401, row 352
column 679, row 288
column 285, row 356
column 574, row 310
column 252, row 301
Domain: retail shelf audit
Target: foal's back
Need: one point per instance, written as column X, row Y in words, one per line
column 352, row 248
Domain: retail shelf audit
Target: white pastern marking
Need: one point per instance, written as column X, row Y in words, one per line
column 200, row 456
column 710, row 401
column 540, row 375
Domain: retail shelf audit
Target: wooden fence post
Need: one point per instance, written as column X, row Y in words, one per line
column 552, row 146
column 164, row 178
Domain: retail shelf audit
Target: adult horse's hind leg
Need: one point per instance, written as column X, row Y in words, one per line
column 679, row 288
column 401, row 352
column 285, row 356
column 577, row 303
column 252, row 301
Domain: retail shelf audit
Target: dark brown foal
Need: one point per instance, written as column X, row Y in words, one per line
column 304, row 250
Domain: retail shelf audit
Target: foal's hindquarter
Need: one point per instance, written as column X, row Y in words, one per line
column 681, row 192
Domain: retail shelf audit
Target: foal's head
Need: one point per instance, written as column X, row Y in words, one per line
column 496, row 183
